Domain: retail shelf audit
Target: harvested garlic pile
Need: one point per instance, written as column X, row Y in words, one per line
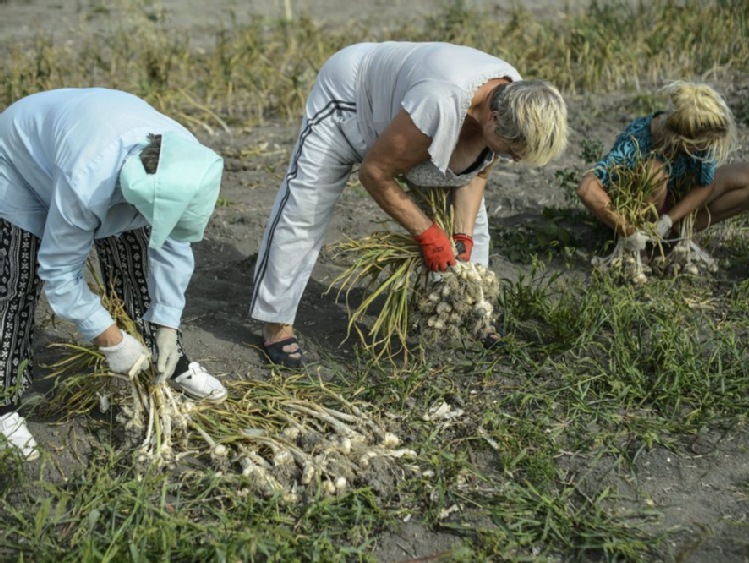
column 458, row 302
column 310, row 449
column 322, row 450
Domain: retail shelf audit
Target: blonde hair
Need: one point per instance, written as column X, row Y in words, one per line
column 700, row 121
column 532, row 117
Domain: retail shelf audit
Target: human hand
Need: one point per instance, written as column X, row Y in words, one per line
column 663, row 226
column 167, row 354
column 636, row 242
column 464, row 246
column 122, row 357
column 436, row 249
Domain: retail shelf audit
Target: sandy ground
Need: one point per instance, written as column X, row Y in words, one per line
column 694, row 491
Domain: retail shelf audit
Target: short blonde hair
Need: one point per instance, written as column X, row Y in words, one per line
column 700, row 121
column 532, row 117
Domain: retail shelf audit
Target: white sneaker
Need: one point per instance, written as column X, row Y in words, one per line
column 13, row 427
column 199, row 384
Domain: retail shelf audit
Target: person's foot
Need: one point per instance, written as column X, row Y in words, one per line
column 281, row 345
column 17, row 435
column 493, row 338
column 196, row 382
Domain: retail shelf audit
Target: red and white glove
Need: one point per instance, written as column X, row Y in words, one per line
column 436, row 249
column 463, row 246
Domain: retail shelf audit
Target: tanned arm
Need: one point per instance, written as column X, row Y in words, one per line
column 467, row 200
column 597, row 201
column 400, row 147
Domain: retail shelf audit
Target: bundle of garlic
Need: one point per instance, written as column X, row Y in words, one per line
column 457, row 302
column 450, row 304
column 689, row 258
column 318, row 444
column 156, row 422
column 686, row 257
column 289, row 438
column 288, row 445
column 154, row 418
column 623, row 264
column 632, row 191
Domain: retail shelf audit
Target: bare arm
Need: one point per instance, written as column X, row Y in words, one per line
column 110, row 337
column 399, row 148
column 468, row 200
column 695, row 198
column 597, row 201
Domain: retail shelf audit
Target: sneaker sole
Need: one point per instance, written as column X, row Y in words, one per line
column 34, row 455
column 210, row 398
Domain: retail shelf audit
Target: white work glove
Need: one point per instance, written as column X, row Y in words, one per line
column 663, row 226
column 168, row 354
column 123, row 356
column 636, row 242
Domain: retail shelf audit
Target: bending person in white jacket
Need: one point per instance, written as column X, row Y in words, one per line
column 83, row 168
column 435, row 114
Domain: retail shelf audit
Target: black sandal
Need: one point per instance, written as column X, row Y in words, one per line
column 277, row 355
column 494, row 339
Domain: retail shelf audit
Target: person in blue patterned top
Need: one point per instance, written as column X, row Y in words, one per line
column 682, row 146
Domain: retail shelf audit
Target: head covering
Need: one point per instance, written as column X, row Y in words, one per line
column 178, row 199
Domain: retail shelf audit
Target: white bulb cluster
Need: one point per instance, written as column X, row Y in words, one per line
column 623, row 264
column 458, row 302
column 318, row 449
column 685, row 258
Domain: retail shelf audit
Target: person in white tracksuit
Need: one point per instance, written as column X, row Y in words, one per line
column 435, row 114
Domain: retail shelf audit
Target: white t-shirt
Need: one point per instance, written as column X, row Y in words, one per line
column 433, row 82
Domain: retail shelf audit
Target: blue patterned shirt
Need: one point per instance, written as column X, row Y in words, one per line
column 636, row 138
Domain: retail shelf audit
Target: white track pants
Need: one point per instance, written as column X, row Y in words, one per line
column 327, row 148
column 480, row 254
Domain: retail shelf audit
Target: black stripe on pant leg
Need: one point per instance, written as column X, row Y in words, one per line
column 19, row 294
column 330, row 108
column 123, row 271
column 123, row 261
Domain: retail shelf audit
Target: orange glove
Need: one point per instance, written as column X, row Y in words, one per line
column 436, row 249
column 464, row 246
